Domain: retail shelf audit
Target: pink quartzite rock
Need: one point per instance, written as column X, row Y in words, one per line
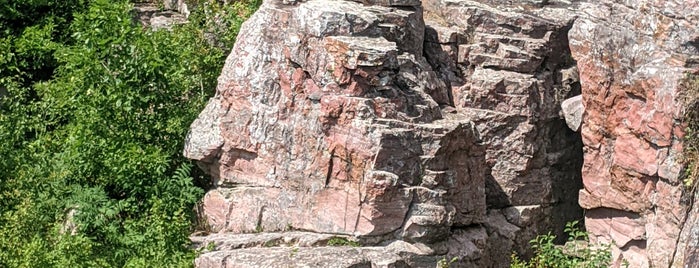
column 327, row 125
column 507, row 66
column 325, row 121
column 354, row 118
column 632, row 56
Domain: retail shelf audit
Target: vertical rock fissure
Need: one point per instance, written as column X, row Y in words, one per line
column 687, row 251
column 328, row 175
column 567, row 183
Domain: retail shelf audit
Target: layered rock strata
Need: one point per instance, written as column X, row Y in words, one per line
column 632, row 57
column 422, row 131
column 509, row 68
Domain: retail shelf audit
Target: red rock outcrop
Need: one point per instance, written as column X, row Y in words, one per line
column 327, row 120
column 632, row 56
column 327, row 126
column 508, row 69
column 431, row 130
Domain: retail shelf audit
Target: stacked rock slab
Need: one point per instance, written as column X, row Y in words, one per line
column 509, row 68
column 632, row 57
column 350, row 120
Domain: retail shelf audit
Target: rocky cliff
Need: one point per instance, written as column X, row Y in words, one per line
column 633, row 57
column 397, row 133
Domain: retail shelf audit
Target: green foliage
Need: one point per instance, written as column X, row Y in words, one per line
column 222, row 22
column 93, row 114
column 293, row 252
column 574, row 232
column 15, row 16
column 576, row 253
column 341, row 241
column 211, row 246
column 444, row 263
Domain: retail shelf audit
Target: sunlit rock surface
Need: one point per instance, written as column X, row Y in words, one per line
column 632, row 57
column 426, row 130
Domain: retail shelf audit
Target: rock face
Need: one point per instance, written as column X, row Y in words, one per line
column 424, row 131
column 334, row 133
column 150, row 15
column 632, row 56
column 509, row 69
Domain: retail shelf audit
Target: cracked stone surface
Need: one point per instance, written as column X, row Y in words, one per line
column 429, row 125
column 632, row 57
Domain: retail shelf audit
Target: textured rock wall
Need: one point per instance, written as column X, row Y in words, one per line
column 508, row 69
column 324, row 121
column 329, row 131
column 632, row 55
column 423, row 130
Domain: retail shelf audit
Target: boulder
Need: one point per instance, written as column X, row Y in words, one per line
column 150, row 15
column 573, row 110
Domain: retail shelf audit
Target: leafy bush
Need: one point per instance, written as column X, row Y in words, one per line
column 576, row 253
column 93, row 114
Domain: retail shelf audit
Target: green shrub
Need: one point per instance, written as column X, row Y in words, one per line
column 93, row 114
column 576, row 253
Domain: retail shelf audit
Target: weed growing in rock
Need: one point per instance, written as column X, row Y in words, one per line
column 293, row 252
column 270, row 243
column 445, row 263
column 577, row 252
column 210, row 246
